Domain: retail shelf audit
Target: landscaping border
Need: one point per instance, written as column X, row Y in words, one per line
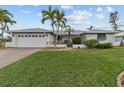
column 119, row 79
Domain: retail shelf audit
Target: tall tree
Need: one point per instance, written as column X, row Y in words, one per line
column 69, row 30
column 60, row 20
column 49, row 15
column 5, row 20
column 113, row 20
column 62, row 27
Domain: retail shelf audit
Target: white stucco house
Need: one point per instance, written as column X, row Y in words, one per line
column 37, row 37
column 34, row 37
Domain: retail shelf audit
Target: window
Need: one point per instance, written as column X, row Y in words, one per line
column 101, row 37
column 118, row 39
column 32, row 35
column 39, row 35
column 35, row 35
column 43, row 35
column 18, row 35
column 22, row 36
column 25, row 35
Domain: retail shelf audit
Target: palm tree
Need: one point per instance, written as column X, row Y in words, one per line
column 113, row 20
column 62, row 26
column 49, row 15
column 60, row 20
column 69, row 29
column 5, row 21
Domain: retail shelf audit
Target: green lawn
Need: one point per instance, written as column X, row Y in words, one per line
column 69, row 68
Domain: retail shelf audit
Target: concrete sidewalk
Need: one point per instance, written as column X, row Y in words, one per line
column 11, row 55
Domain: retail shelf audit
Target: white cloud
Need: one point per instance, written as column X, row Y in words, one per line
column 90, row 9
column 75, row 18
column 99, row 9
column 39, row 14
column 25, row 11
column 109, row 9
column 99, row 16
column 83, row 13
column 67, row 7
column 79, row 17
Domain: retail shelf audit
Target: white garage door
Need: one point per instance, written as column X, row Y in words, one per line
column 31, row 42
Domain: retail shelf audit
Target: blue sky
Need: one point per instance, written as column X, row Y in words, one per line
column 79, row 17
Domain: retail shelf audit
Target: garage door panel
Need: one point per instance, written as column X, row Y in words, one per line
column 31, row 42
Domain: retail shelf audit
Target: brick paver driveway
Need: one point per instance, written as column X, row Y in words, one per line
column 10, row 55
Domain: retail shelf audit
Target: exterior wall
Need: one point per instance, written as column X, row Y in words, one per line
column 30, row 41
column 110, row 38
column 65, row 37
column 119, row 40
column 12, row 43
column 91, row 36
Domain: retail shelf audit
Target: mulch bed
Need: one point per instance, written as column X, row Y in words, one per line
column 119, row 47
column 56, row 49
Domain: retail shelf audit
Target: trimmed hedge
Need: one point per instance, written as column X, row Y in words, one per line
column 91, row 43
column 104, row 45
column 76, row 40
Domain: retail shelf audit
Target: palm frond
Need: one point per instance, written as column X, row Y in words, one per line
column 44, row 19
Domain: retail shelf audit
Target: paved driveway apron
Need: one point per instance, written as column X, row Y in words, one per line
column 10, row 55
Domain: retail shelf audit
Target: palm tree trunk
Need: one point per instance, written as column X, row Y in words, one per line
column 54, row 37
column 60, row 35
column 3, row 43
column 57, row 35
column 69, row 37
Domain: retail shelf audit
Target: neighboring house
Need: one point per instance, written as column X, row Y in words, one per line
column 37, row 37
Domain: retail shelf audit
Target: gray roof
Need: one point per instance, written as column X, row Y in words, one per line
column 76, row 32
column 31, row 30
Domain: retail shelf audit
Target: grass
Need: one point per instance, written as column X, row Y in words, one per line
column 2, row 44
column 67, row 68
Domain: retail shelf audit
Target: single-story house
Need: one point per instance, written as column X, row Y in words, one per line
column 37, row 37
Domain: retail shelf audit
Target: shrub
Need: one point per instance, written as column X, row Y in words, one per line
column 76, row 40
column 66, row 41
column 104, row 45
column 91, row 43
column 69, row 44
column 1, row 44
